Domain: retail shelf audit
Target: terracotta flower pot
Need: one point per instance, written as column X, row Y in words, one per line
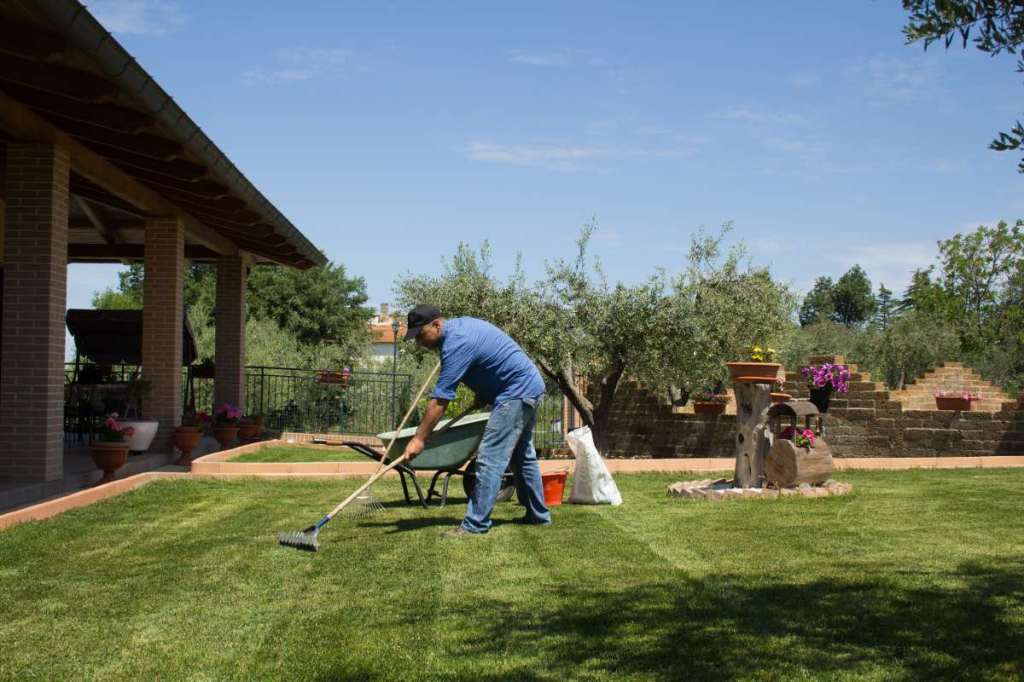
column 780, row 398
column 247, row 430
column 953, row 403
column 753, row 372
column 225, row 434
column 186, row 438
column 708, row 408
column 109, row 457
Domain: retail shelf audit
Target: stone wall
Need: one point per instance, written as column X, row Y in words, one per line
column 866, row 422
column 643, row 426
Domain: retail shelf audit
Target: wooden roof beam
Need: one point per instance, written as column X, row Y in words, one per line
column 86, row 253
column 57, row 79
column 108, row 233
column 176, row 168
column 24, row 39
column 25, row 124
column 152, row 146
column 112, row 116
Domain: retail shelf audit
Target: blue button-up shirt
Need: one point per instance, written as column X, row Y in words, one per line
column 487, row 360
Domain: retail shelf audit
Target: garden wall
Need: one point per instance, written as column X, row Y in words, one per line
column 866, row 422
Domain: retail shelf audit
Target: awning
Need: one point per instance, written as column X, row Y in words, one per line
column 112, row 337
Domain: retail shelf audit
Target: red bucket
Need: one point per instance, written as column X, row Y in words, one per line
column 554, row 487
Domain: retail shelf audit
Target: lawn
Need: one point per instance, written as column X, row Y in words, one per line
column 302, row 453
column 918, row 575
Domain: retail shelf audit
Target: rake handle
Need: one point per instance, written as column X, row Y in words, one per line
column 381, row 471
column 408, row 413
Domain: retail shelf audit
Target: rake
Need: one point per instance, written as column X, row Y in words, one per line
column 307, row 538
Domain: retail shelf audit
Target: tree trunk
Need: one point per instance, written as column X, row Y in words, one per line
column 752, row 435
column 595, row 416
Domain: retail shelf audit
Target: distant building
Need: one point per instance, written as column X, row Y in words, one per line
column 383, row 334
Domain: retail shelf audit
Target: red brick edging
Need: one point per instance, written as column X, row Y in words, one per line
column 218, row 465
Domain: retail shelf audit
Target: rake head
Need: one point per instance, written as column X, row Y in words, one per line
column 364, row 505
column 303, row 539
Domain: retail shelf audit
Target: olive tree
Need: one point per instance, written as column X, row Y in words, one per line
column 587, row 336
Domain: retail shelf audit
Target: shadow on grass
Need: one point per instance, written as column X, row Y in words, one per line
column 406, row 525
column 897, row 626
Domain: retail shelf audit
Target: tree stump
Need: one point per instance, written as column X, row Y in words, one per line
column 788, row 465
column 753, row 438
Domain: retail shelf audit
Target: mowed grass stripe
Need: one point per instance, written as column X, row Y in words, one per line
column 919, row 575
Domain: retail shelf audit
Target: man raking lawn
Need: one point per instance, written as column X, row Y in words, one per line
column 496, row 369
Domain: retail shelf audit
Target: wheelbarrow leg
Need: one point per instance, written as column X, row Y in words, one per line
column 416, row 484
column 444, row 493
column 433, row 486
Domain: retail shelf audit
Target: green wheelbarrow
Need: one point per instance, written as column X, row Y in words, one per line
column 445, row 454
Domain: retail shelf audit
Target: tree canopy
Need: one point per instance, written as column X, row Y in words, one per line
column 588, row 335
column 993, row 26
column 314, row 317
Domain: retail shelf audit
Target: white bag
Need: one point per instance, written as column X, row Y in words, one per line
column 592, row 483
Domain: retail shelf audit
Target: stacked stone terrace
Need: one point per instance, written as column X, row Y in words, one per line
column 868, row 421
column 951, row 377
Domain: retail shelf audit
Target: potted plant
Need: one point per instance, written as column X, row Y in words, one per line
column 186, row 436
column 248, row 429
column 955, row 400
column 823, row 380
column 136, row 392
column 778, row 395
column 802, row 438
column 710, row 403
column 331, row 377
column 110, row 449
column 225, row 424
column 760, row 368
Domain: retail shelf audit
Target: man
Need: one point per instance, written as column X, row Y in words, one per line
column 497, row 370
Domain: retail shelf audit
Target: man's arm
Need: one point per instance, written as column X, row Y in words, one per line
column 435, row 410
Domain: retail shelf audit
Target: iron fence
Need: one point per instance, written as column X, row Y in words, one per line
column 311, row 401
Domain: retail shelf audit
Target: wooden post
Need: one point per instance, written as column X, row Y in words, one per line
column 752, row 433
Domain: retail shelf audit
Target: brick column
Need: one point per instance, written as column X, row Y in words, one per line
column 162, row 326
column 35, row 276
column 229, row 383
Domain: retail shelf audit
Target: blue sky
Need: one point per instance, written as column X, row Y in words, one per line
column 388, row 132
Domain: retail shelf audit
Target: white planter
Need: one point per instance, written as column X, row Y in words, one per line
column 145, row 431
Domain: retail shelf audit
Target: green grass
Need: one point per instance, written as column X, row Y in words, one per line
column 302, row 453
column 917, row 575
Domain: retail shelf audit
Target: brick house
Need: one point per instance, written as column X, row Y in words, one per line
column 98, row 164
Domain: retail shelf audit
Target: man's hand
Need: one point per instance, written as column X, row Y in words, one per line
column 413, row 448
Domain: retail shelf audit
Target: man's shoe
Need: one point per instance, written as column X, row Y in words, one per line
column 456, row 532
column 527, row 521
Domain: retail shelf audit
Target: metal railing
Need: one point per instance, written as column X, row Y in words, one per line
column 312, row 401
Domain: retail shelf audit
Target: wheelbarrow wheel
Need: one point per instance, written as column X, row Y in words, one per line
column 505, row 492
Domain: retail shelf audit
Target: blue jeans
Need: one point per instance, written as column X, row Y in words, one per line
column 508, row 439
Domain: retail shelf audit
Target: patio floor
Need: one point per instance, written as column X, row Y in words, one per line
column 80, row 472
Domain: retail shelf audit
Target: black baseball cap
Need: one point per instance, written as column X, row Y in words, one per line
column 419, row 316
